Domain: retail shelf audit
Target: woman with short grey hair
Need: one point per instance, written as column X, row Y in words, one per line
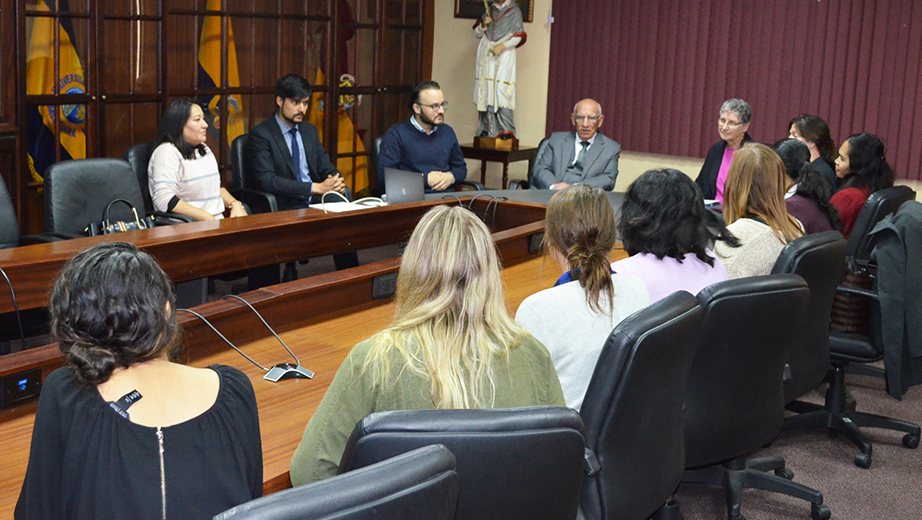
column 732, row 126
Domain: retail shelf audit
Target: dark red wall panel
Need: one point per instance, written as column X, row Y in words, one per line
column 662, row 68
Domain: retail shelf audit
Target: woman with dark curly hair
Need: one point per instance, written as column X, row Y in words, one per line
column 667, row 231
column 808, row 194
column 814, row 132
column 122, row 431
column 863, row 169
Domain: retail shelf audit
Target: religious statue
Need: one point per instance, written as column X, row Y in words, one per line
column 500, row 30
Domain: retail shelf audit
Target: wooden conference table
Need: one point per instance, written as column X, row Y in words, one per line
column 320, row 318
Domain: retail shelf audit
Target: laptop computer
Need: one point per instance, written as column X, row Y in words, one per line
column 403, row 186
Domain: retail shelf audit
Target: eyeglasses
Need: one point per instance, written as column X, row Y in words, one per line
column 435, row 107
column 591, row 119
column 729, row 124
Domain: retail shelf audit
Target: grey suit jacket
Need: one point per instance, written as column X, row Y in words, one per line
column 557, row 153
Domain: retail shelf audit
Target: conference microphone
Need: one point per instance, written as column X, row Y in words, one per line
column 278, row 371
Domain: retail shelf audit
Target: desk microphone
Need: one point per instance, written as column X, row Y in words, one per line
column 280, row 370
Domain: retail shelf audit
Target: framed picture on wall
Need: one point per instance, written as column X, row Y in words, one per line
column 474, row 9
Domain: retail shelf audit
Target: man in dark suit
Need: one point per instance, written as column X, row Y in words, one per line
column 285, row 154
column 580, row 157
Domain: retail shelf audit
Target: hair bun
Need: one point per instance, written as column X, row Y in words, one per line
column 92, row 365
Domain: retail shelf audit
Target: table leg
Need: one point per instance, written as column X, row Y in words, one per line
column 505, row 175
column 483, row 172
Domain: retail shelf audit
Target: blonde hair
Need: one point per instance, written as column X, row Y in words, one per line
column 451, row 323
column 755, row 187
column 580, row 224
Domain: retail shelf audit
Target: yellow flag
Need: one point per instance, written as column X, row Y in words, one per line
column 209, row 59
column 346, row 133
column 40, row 79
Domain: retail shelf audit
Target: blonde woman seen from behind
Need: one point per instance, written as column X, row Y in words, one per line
column 451, row 345
column 755, row 212
column 574, row 318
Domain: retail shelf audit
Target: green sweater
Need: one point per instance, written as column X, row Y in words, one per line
column 528, row 379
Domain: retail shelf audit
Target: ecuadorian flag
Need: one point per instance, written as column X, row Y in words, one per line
column 209, row 74
column 40, row 80
column 344, row 141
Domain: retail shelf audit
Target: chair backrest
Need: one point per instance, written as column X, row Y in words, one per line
column 640, row 380
column 240, row 178
column 138, row 156
column 421, row 484
column 513, row 463
column 734, row 399
column 818, row 259
column 375, row 153
column 77, row 192
column 880, row 204
column 542, row 149
column 9, row 224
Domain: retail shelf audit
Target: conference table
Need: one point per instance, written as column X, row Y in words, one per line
column 320, row 318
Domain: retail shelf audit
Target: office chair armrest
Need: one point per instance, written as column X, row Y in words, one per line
column 163, row 218
column 518, row 184
column 860, row 292
column 258, row 201
column 27, row 240
column 473, row 184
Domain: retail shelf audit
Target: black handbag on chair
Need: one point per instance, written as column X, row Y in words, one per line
column 107, row 227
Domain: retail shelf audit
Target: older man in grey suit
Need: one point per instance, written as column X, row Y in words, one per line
column 581, row 157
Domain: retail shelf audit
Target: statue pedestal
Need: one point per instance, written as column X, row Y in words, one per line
column 495, row 143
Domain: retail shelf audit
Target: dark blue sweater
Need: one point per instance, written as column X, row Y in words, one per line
column 406, row 148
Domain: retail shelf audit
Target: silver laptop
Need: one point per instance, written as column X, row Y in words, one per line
column 403, row 186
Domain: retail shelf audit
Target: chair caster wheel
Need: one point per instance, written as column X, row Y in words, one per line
column 820, row 512
column 863, row 460
column 911, row 441
column 785, row 473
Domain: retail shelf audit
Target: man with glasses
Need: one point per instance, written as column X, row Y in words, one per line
column 423, row 143
column 583, row 156
column 284, row 152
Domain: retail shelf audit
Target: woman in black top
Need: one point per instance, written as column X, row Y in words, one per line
column 808, row 194
column 122, row 431
column 814, row 132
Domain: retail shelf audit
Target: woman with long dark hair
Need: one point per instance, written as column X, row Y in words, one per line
column 863, row 169
column 574, row 318
column 183, row 174
column 814, row 132
column 807, row 198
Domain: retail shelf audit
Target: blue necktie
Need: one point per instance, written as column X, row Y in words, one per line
column 295, row 152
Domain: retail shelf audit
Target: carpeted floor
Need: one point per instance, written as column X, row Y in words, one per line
column 891, row 489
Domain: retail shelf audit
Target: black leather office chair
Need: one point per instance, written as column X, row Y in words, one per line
column 9, row 225
column 513, row 463
column 138, row 156
column 632, row 471
column 734, row 398
column 419, row 485
column 837, row 414
column 526, row 184
column 77, row 192
column 818, row 259
column 243, row 185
